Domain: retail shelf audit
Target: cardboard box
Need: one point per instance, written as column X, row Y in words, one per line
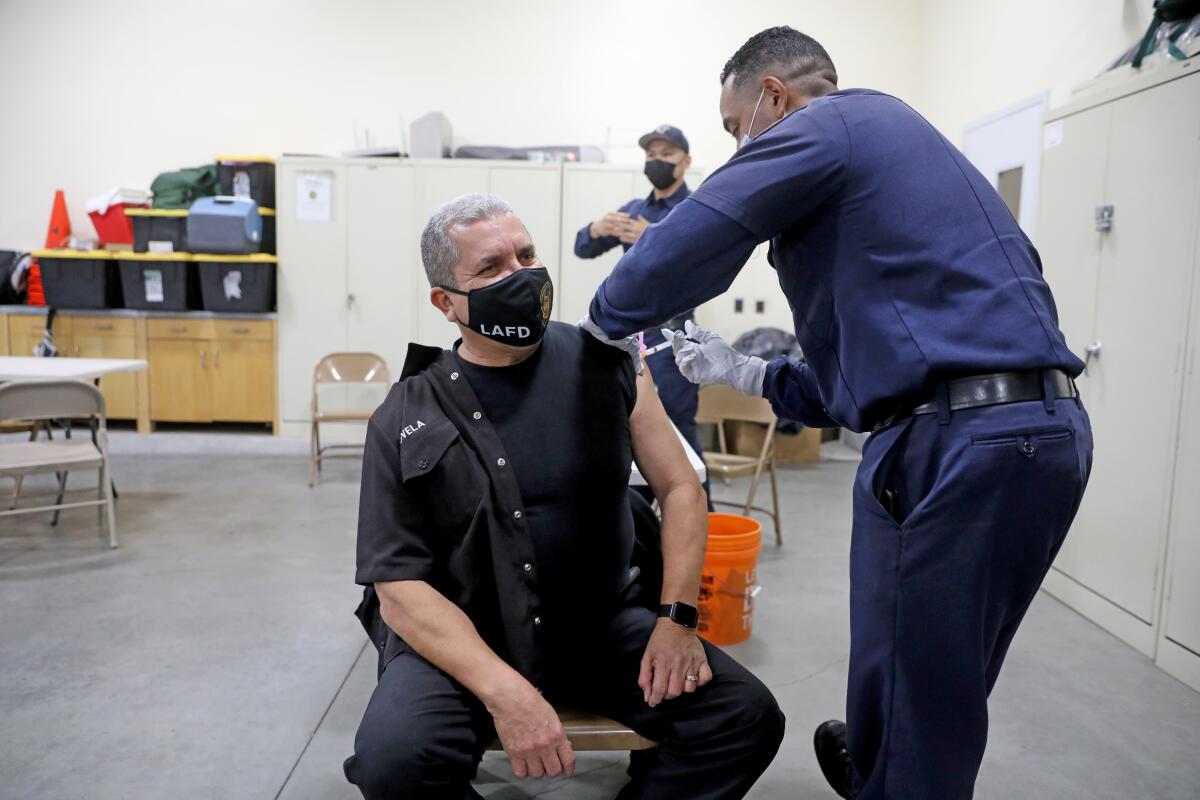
column 746, row 439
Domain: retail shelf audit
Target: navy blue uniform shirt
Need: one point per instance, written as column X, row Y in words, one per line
column 655, row 211
column 900, row 262
column 649, row 207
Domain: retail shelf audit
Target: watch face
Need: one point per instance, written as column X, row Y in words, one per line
column 680, row 613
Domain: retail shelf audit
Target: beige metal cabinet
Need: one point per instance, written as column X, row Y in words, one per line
column 1117, row 231
column 311, row 292
column 1072, row 188
column 1179, row 649
column 589, row 191
column 384, row 278
column 1139, row 326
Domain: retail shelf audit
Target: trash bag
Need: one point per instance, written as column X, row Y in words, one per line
column 768, row 344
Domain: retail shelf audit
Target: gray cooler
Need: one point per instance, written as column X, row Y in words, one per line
column 224, row 225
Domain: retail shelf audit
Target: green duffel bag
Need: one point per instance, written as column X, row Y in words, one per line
column 180, row 188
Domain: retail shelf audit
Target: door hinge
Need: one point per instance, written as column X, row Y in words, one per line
column 1104, row 218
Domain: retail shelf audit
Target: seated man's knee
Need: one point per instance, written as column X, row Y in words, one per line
column 399, row 761
column 755, row 715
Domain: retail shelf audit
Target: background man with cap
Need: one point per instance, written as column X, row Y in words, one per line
column 667, row 160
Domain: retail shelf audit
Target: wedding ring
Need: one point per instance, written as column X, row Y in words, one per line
column 692, row 678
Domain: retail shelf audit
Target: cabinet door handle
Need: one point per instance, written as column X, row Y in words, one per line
column 202, row 365
column 241, row 330
column 350, row 300
column 1104, row 218
column 1090, row 352
column 178, row 329
column 76, row 351
column 108, row 327
column 217, row 358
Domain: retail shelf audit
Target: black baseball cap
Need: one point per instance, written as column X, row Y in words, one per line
column 668, row 132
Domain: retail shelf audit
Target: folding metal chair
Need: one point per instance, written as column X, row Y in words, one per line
column 46, row 400
column 720, row 403
column 342, row 369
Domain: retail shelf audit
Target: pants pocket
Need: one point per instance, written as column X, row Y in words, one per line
column 1026, row 442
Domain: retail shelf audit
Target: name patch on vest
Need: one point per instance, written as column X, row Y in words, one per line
column 409, row 430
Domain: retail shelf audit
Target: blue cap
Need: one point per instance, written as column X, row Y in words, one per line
column 668, row 132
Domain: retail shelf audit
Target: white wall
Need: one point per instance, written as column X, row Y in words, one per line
column 981, row 56
column 98, row 94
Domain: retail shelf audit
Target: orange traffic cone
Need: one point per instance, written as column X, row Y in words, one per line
column 59, row 232
column 57, row 235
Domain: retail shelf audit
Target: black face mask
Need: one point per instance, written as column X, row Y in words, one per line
column 661, row 173
column 513, row 310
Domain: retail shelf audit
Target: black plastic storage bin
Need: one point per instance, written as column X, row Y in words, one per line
column 166, row 227
column 237, row 283
column 159, row 281
column 268, row 237
column 79, row 278
column 248, row 176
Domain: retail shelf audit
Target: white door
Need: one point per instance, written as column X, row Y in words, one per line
column 1132, row 390
column 437, row 183
column 310, row 285
column 385, row 278
column 1006, row 147
column 588, row 192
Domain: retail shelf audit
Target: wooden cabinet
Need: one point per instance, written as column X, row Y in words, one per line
column 109, row 337
column 202, row 368
column 243, row 373
column 86, row 337
column 206, row 370
column 180, row 386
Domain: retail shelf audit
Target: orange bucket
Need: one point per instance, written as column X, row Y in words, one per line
column 728, row 583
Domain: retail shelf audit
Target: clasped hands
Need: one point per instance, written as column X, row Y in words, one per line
column 619, row 224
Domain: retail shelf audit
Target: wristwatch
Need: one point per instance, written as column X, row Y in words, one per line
column 680, row 614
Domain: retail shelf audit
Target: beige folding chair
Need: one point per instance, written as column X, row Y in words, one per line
column 340, row 368
column 46, row 400
column 590, row 732
column 720, row 403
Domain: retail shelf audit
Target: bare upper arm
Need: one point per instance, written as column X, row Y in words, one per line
column 657, row 449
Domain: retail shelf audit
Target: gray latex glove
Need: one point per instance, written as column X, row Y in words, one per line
column 704, row 357
column 630, row 344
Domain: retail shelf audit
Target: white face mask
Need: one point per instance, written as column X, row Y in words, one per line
column 746, row 138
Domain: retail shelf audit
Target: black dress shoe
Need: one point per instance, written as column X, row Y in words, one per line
column 830, row 743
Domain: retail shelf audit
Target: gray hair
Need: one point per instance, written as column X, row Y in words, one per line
column 439, row 253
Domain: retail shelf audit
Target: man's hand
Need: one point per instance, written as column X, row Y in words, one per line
column 532, row 736
column 704, row 357
column 633, row 230
column 672, row 654
column 611, row 224
column 630, row 344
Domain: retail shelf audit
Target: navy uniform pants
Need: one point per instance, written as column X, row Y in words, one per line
column 957, row 518
column 423, row 734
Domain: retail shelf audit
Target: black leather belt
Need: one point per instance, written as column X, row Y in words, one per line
column 995, row 389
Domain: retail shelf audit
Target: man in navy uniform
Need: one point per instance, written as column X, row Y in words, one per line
column 667, row 162
column 924, row 318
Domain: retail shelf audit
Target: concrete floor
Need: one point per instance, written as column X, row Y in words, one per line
column 214, row 654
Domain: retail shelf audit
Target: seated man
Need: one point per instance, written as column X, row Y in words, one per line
column 495, row 527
